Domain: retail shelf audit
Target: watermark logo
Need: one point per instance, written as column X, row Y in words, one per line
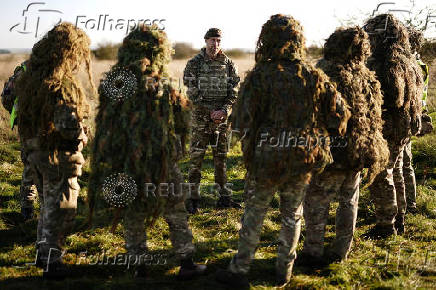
column 119, row 190
column 119, row 84
column 32, row 18
column 35, row 12
column 423, row 19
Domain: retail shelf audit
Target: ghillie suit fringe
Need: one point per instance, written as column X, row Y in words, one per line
column 135, row 134
column 345, row 55
column 285, row 94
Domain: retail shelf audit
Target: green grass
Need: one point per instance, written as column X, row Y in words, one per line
column 401, row 262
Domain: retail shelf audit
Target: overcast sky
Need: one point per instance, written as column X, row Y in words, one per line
column 187, row 21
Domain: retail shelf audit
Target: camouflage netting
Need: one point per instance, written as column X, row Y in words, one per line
column 136, row 136
column 284, row 93
column 50, row 81
column 416, row 39
column 399, row 75
column 345, row 54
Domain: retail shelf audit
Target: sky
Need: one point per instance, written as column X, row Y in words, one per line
column 24, row 22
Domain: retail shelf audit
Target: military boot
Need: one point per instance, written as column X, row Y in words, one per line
column 381, row 232
column 399, row 224
column 27, row 213
column 238, row 280
column 192, row 205
column 226, row 202
column 189, row 270
column 307, row 260
column 55, row 271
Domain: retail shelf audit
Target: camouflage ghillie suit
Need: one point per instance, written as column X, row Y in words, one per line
column 136, row 136
column 401, row 83
column 283, row 94
column 183, row 116
column 54, row 140
column 404, row 174
column 345, row 54
column 212, row 85
column 10, row 102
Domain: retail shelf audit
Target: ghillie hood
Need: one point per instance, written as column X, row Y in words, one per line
column 50, row 81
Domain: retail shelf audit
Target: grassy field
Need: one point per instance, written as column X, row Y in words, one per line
column 407, row 261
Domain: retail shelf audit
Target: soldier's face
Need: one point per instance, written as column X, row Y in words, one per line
column 213, row 45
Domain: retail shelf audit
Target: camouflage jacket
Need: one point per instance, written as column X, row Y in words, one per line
column 212, row 83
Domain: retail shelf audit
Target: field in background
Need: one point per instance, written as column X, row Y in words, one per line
column 402, row 262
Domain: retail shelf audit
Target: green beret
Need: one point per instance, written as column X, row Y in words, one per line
column 213, row 32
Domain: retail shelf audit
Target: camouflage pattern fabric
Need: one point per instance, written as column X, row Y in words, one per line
column 205, row 133
column 345, row 53
column 283, row 93
column 175, row 215
column 58, row 189
column 383, row 190
column 136, row 135
column 402, row 85
column 258, row 197
column 344, row 184
column 53, row 141
column 28, row 191
column 409, row 176
column 212, row 85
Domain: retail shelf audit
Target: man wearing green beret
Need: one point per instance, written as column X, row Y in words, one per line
column 212, row 81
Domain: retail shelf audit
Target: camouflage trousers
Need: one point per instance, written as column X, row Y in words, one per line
column 58, row 189
column 27, row 188
column 387, row 191
column 409, row 176
column 205, row 133
column 175, row 215
column 258, row 197
column 344, row 184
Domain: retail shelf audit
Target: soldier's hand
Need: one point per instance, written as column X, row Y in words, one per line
column 217, row 116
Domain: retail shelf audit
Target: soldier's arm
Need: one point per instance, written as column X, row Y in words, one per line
column 232, row 88
column 394, row 97
column 190, row 79
column 335, row 109
column 245, row 109
column 65, row 118
column 8, row 96
column 66, row 122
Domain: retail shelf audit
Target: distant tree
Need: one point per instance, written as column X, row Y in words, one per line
column 4, row 51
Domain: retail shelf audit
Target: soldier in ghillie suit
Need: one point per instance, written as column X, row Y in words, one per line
column 282, row 96
column 212, row 81
column 406, row 174
column 54, row 139
column 401, row 83
column 135, row 135
column 183, row 116
column 10, row 102
column 345, row 55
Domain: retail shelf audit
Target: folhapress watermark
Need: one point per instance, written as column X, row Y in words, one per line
column 37, row 17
